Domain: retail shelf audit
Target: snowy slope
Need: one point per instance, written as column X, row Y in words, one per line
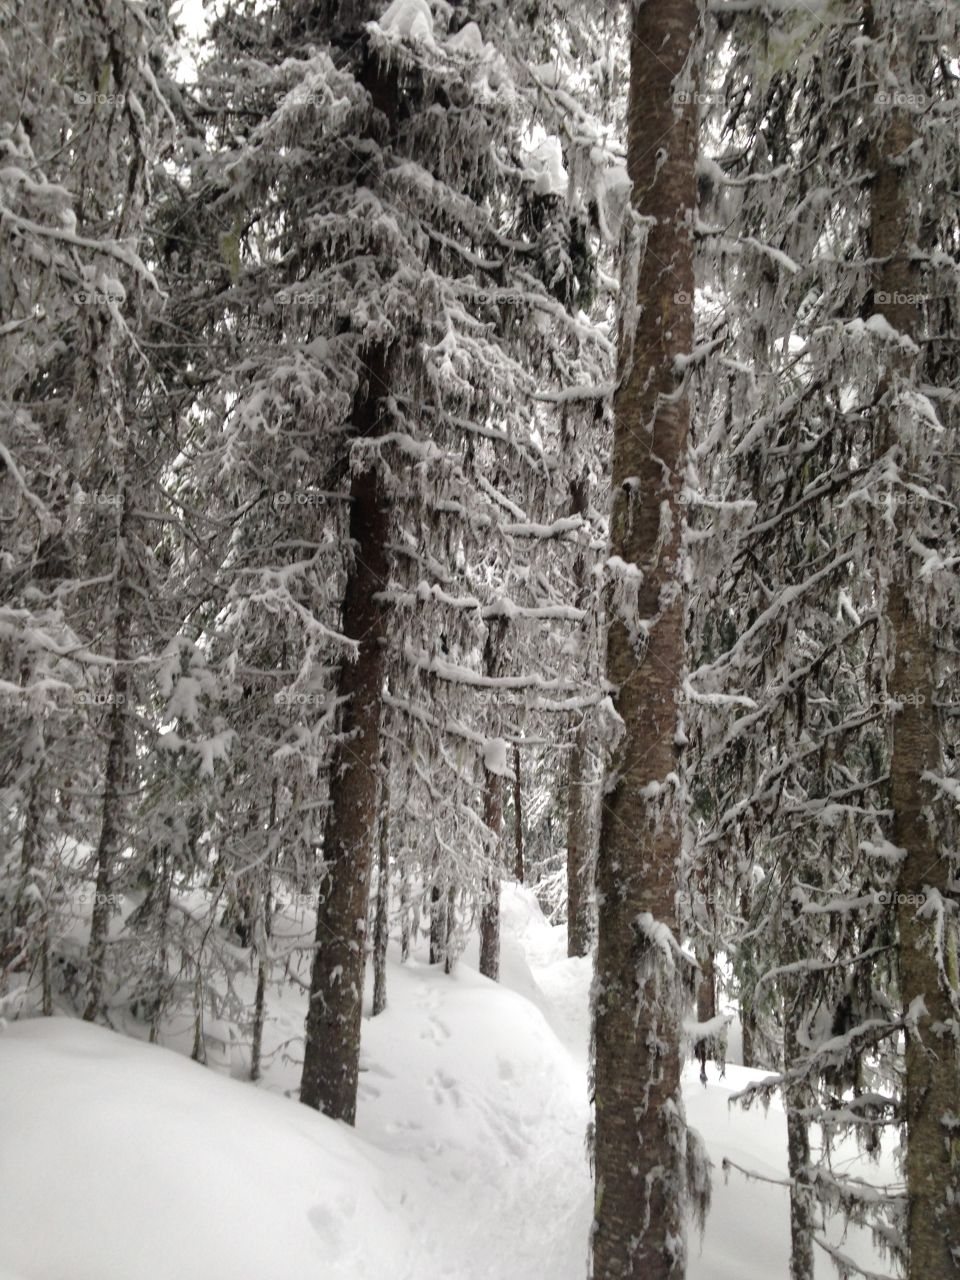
column 124, row 1161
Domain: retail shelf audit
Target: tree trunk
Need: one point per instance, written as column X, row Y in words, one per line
column 928, row 989
column 404, row 914
column 332, row 1051
column 579, row 850
column 748, row 1016
column 262, row 941
column 490, row 910
column 932, row 1084
column 580, row 845
column 448, row 955
column 381, row 923
column 747, row 1032
column 802, row 1198
column 706, row 1005
column 438, row 911
column 493, row 821
column 17, row 928
column 29, row 859
column 114, row 783
column 640, row 1135
column 517, row 817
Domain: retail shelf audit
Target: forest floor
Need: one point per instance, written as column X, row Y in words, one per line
column 124, row 1161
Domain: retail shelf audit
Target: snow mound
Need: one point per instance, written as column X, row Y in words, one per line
column 124, row 1161
column 410, row 19
column 469, row 42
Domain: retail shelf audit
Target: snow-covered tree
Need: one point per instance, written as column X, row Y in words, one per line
column 641, row 1146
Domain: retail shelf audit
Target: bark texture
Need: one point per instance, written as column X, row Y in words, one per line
column 264, row 928
column 640, row 1134
column 112, row 821
column 438, row 911
column 802, row 1196
column 579, row 791
column 381, row 921
column 517, row 818
column 932, row 1086
column 490, row 910
column 493, row 820
column 449, row 957
column 579, row 850
column 332, row 1050
column 706, row 1005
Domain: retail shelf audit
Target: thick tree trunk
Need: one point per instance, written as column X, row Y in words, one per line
column 331, row 1060
column 640, row 1135
column 928, row 990
column 932, row 1085
column 517, row 818
column 381, row 921
column 332, row 1050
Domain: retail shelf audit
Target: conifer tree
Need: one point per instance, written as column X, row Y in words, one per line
column 640, row 1143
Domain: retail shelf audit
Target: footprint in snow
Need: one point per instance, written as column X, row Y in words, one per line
column 444, row 1087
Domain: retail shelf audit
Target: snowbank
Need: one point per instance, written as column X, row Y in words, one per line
column 126, row 1161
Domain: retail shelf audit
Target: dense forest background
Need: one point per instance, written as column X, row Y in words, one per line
column 448, row 446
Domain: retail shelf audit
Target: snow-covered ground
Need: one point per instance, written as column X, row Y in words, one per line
column 125, row 1161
